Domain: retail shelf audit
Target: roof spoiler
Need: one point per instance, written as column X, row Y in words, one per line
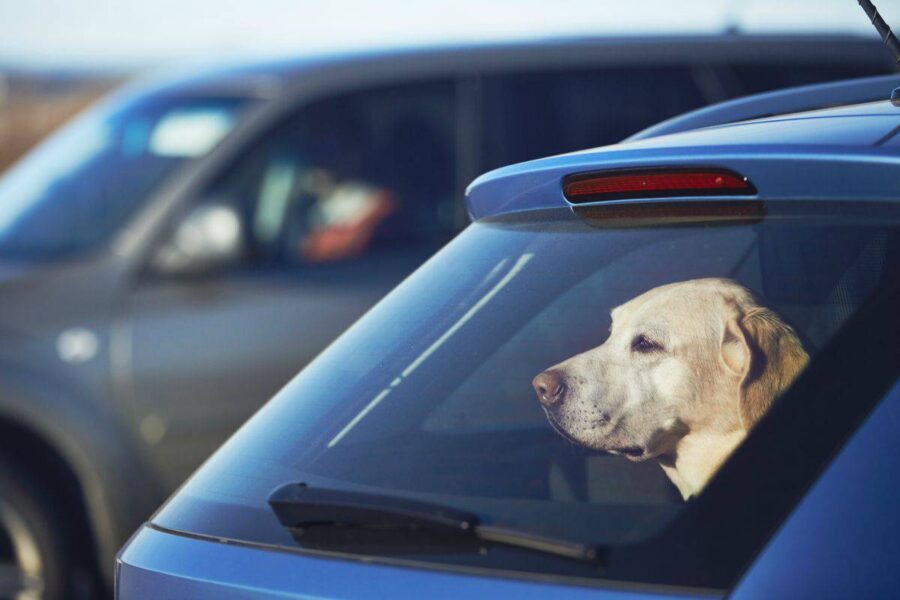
column 790, row 100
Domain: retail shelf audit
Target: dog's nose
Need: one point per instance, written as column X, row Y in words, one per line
column 550, row 387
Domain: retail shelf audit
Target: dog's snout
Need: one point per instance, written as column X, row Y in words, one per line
column 550, row 387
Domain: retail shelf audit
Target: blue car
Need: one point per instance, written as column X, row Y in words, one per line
column 664, row 368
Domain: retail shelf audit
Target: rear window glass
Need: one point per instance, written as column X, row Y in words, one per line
column 557, row 375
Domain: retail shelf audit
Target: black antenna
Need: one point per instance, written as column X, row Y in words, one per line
column 883, row 29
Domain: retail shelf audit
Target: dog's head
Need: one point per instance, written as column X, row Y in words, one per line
column 694, row 356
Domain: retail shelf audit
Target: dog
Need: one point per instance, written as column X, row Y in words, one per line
column 687, row 370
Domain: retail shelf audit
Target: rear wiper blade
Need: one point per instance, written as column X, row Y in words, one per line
column 299, row 506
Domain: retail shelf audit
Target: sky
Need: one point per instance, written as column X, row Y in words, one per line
column 138, row 33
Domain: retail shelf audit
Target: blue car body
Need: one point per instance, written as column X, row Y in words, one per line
column 841, row 539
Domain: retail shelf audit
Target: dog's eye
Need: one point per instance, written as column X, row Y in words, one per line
column 642, row 343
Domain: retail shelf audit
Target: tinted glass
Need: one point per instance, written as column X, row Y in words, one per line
column 79, row 187
column 437, row 394
column 529, row 115
column 350, row 176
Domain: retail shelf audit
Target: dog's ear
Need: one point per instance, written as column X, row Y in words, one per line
column 736, row 353
column 772, row 358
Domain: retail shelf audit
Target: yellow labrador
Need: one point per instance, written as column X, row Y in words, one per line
column 687, row 370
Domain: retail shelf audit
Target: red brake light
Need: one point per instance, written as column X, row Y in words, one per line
column 655, row 183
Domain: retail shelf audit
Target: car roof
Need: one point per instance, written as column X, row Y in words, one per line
column 790, row 100
column 271, row 76
column 849, row 152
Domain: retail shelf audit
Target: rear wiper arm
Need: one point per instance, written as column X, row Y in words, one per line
column 299, row 506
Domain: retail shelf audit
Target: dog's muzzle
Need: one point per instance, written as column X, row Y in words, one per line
column 550, row 387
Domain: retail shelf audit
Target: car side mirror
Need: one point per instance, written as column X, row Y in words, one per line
column 209, row 237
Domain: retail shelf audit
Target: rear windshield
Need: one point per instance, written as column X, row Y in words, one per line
column 561, row 374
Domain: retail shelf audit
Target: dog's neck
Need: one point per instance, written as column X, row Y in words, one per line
column 697, row 457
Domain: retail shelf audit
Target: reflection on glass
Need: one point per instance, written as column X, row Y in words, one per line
column 654, row 354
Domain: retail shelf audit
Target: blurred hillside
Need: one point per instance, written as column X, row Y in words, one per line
column 33, row 104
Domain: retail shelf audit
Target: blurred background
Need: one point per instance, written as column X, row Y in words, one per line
column 249, row 178
column 56, row 56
